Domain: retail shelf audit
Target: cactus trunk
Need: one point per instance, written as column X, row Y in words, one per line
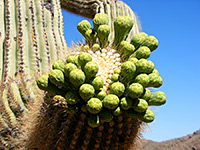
column 31, row 39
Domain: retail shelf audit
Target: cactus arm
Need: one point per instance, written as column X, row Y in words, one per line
column 2, row 35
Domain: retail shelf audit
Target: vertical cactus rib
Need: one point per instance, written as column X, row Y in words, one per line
column 9, row 112
column 34, row 64
column 49, row 14
column 43, row 45
column 9, row 67
column 22, row 41
column 2, row 35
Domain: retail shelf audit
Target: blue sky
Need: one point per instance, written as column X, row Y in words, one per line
column 176, row 24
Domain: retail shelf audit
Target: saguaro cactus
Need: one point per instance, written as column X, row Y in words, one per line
column 31, row 40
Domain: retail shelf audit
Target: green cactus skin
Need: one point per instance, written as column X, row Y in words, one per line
column 101, row 94
column 126, row 49
column 100, row 19
column 128, row 69
column 138, row 39
column 117, row 88
column 83, row 26
column 106, row 115
column 155, row 80
column 144, row 66
column 140, row 105
column 146, row 94
column 94, row 121
column 135, row 90
column 68, row 68
column 94, row 105
column 143, row 79
column 157, row 99
column 72, row 98
column 83, row 58
column 86, row 91
column 126, row 103
column 103, row 32
column 142, row 52
column 77, row 77
column 111, row 101
column 97, row 83
column 122, row 27
column 91, row 69
column 58, row 64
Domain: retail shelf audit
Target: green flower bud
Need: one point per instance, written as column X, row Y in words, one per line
column 155, row 80
column 138, row 39
column 155, row 71
column 126, row 103
column 83, row 26
column 96, row 47
column 143, row 79
column 117, row 111
column 135, row 90
column 58, row 64
column 128, row 69
column 106, row 115
column 94, row 105
column 72, row 98
column 133, row 59
column 157, row 99
column 148, row 116
column 117, row 88
column 68, row 68
column 142, row 52
column 103, row 32
column 146, row 95
column 140, row 105
column 101, row 95
column 91, row 69
column 86, row 91
column 97, row 83
column 126, row 48
column 144, row 66
column 115, row 77
column 90, row 37
column 84, row 58
column 100, row 19
column 57, row 77
column 44, row 84
column 93, row 121
column 151, row 42
column 122, row 27
column 111, row 101
column 71, row 59
column 86, row 47
column 77, row 77
column 117, row 71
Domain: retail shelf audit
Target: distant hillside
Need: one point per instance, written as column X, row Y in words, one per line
column 189, row 142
